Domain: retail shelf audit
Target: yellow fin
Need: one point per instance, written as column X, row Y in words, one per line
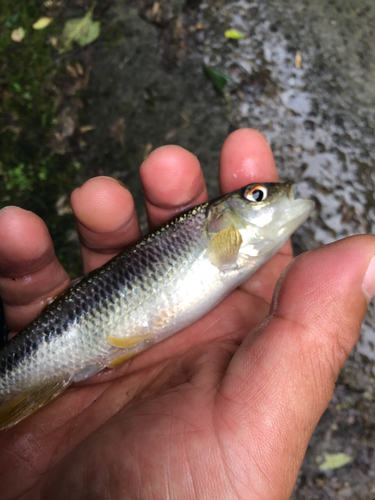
column 22, row 405
column 224, row 246
column 125, row 342
column 120, row 360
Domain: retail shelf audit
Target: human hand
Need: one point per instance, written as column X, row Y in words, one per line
column 223, row 409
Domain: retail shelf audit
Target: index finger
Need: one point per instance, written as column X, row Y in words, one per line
column 246, row 157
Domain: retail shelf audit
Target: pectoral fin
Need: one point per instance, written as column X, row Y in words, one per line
column 126, row 342
column 224, row 246
column 16, row 408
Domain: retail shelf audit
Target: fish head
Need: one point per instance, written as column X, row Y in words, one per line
column 265, row 215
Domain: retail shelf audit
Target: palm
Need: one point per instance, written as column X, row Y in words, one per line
column 155, row 408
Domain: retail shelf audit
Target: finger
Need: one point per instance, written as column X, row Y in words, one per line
column 30, row 273
column 294, row 358
column 172, row 181
column 106, row 220
column 246, row 157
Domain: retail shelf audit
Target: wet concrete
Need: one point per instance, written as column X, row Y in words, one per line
column 148, row 89
column 319, row 119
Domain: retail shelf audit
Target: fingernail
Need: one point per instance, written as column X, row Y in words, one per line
column 368, row 285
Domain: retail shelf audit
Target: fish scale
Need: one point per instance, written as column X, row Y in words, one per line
column 171, row 278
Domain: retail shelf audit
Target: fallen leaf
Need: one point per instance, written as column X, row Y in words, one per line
column 71, row 70
column 79, row 69
column 218, row 78
column 82, row 30
column 156, row 10
column 63, row 206
column 298, row 60
column 53, row 41
column 60, row 135
column 147, row 150
column 86, row 128
column 334, row 461
column 117, row 131
column 171, row 133
column 234, row 34
column 186, row 119
column 18, row 35
column 42, row 23
column 240, row 94
column 14, row 129
column 80, row 83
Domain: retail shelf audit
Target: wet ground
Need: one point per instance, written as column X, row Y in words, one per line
column 304, row 74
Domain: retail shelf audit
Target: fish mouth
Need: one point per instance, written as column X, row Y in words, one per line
column 298, row 209
column 299, row 205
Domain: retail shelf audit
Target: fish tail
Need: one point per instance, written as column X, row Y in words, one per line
column 17, row 407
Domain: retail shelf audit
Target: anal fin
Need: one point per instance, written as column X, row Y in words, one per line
column 16, row 408
column 121, row 360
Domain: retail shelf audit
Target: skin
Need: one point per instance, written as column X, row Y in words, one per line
column 224, row 409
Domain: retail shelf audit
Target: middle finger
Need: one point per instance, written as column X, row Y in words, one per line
column 172, row 182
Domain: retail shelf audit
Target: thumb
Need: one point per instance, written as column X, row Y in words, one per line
column 282, row 377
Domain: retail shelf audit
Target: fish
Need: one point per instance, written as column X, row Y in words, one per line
column 168, row 280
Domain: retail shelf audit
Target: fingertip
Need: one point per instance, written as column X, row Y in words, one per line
column 26, row 245
column 246, row 157
column 172, row 177
column 30, row 273
column 102, row 204
column 107, row 221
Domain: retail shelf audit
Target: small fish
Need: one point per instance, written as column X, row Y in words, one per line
column 172, row 277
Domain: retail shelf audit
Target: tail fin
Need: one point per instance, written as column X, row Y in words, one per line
column 16, row 408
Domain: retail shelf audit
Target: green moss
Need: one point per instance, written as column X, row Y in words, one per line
column 27, row 65
column 32, row 176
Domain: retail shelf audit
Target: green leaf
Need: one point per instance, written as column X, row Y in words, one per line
column 234, row 34
column 218, row 79
column 82, row 30
column 334, row 461
column 42, row 23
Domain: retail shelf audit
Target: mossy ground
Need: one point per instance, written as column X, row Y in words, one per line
column 33, row 76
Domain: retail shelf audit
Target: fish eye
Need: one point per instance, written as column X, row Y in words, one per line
column 256, row 193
